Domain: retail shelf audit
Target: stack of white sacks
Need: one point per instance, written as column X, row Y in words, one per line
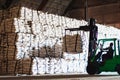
column 70, row 64
column 105, row 31
column 37, row 29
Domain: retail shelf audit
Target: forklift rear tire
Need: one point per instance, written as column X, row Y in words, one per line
column 118, row 69
column 92, row 69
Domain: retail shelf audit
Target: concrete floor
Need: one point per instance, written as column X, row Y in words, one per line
column 102, row 76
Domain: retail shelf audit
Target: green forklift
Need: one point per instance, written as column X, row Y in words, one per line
column 96, row 62
column 96, row 65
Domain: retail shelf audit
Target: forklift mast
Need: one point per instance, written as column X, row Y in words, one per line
column 93, row 29
column 92, row 37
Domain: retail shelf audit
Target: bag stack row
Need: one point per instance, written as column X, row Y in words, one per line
column 27, row 33
column 9, row 65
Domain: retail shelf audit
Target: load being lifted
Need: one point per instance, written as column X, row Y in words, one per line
column 99, row 58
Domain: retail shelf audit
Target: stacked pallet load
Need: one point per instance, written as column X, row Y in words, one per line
column 72, row 44
column 8, row 62
column 7, row 43
column 41, row 35
column 44, row 30
column 27, row 33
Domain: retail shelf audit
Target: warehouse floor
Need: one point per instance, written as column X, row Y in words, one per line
column 102, row 76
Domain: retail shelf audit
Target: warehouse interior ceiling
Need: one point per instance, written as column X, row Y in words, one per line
column 104, row 11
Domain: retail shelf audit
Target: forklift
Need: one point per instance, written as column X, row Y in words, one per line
column 96, row 65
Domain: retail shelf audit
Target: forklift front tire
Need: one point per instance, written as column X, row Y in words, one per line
column 92, row 69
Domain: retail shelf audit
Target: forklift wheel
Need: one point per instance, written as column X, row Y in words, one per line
column 118, row 69
column 92, row 69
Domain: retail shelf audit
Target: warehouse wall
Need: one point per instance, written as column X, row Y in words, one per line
column 105, row 12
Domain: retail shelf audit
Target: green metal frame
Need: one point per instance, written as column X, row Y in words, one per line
column 109, row 65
